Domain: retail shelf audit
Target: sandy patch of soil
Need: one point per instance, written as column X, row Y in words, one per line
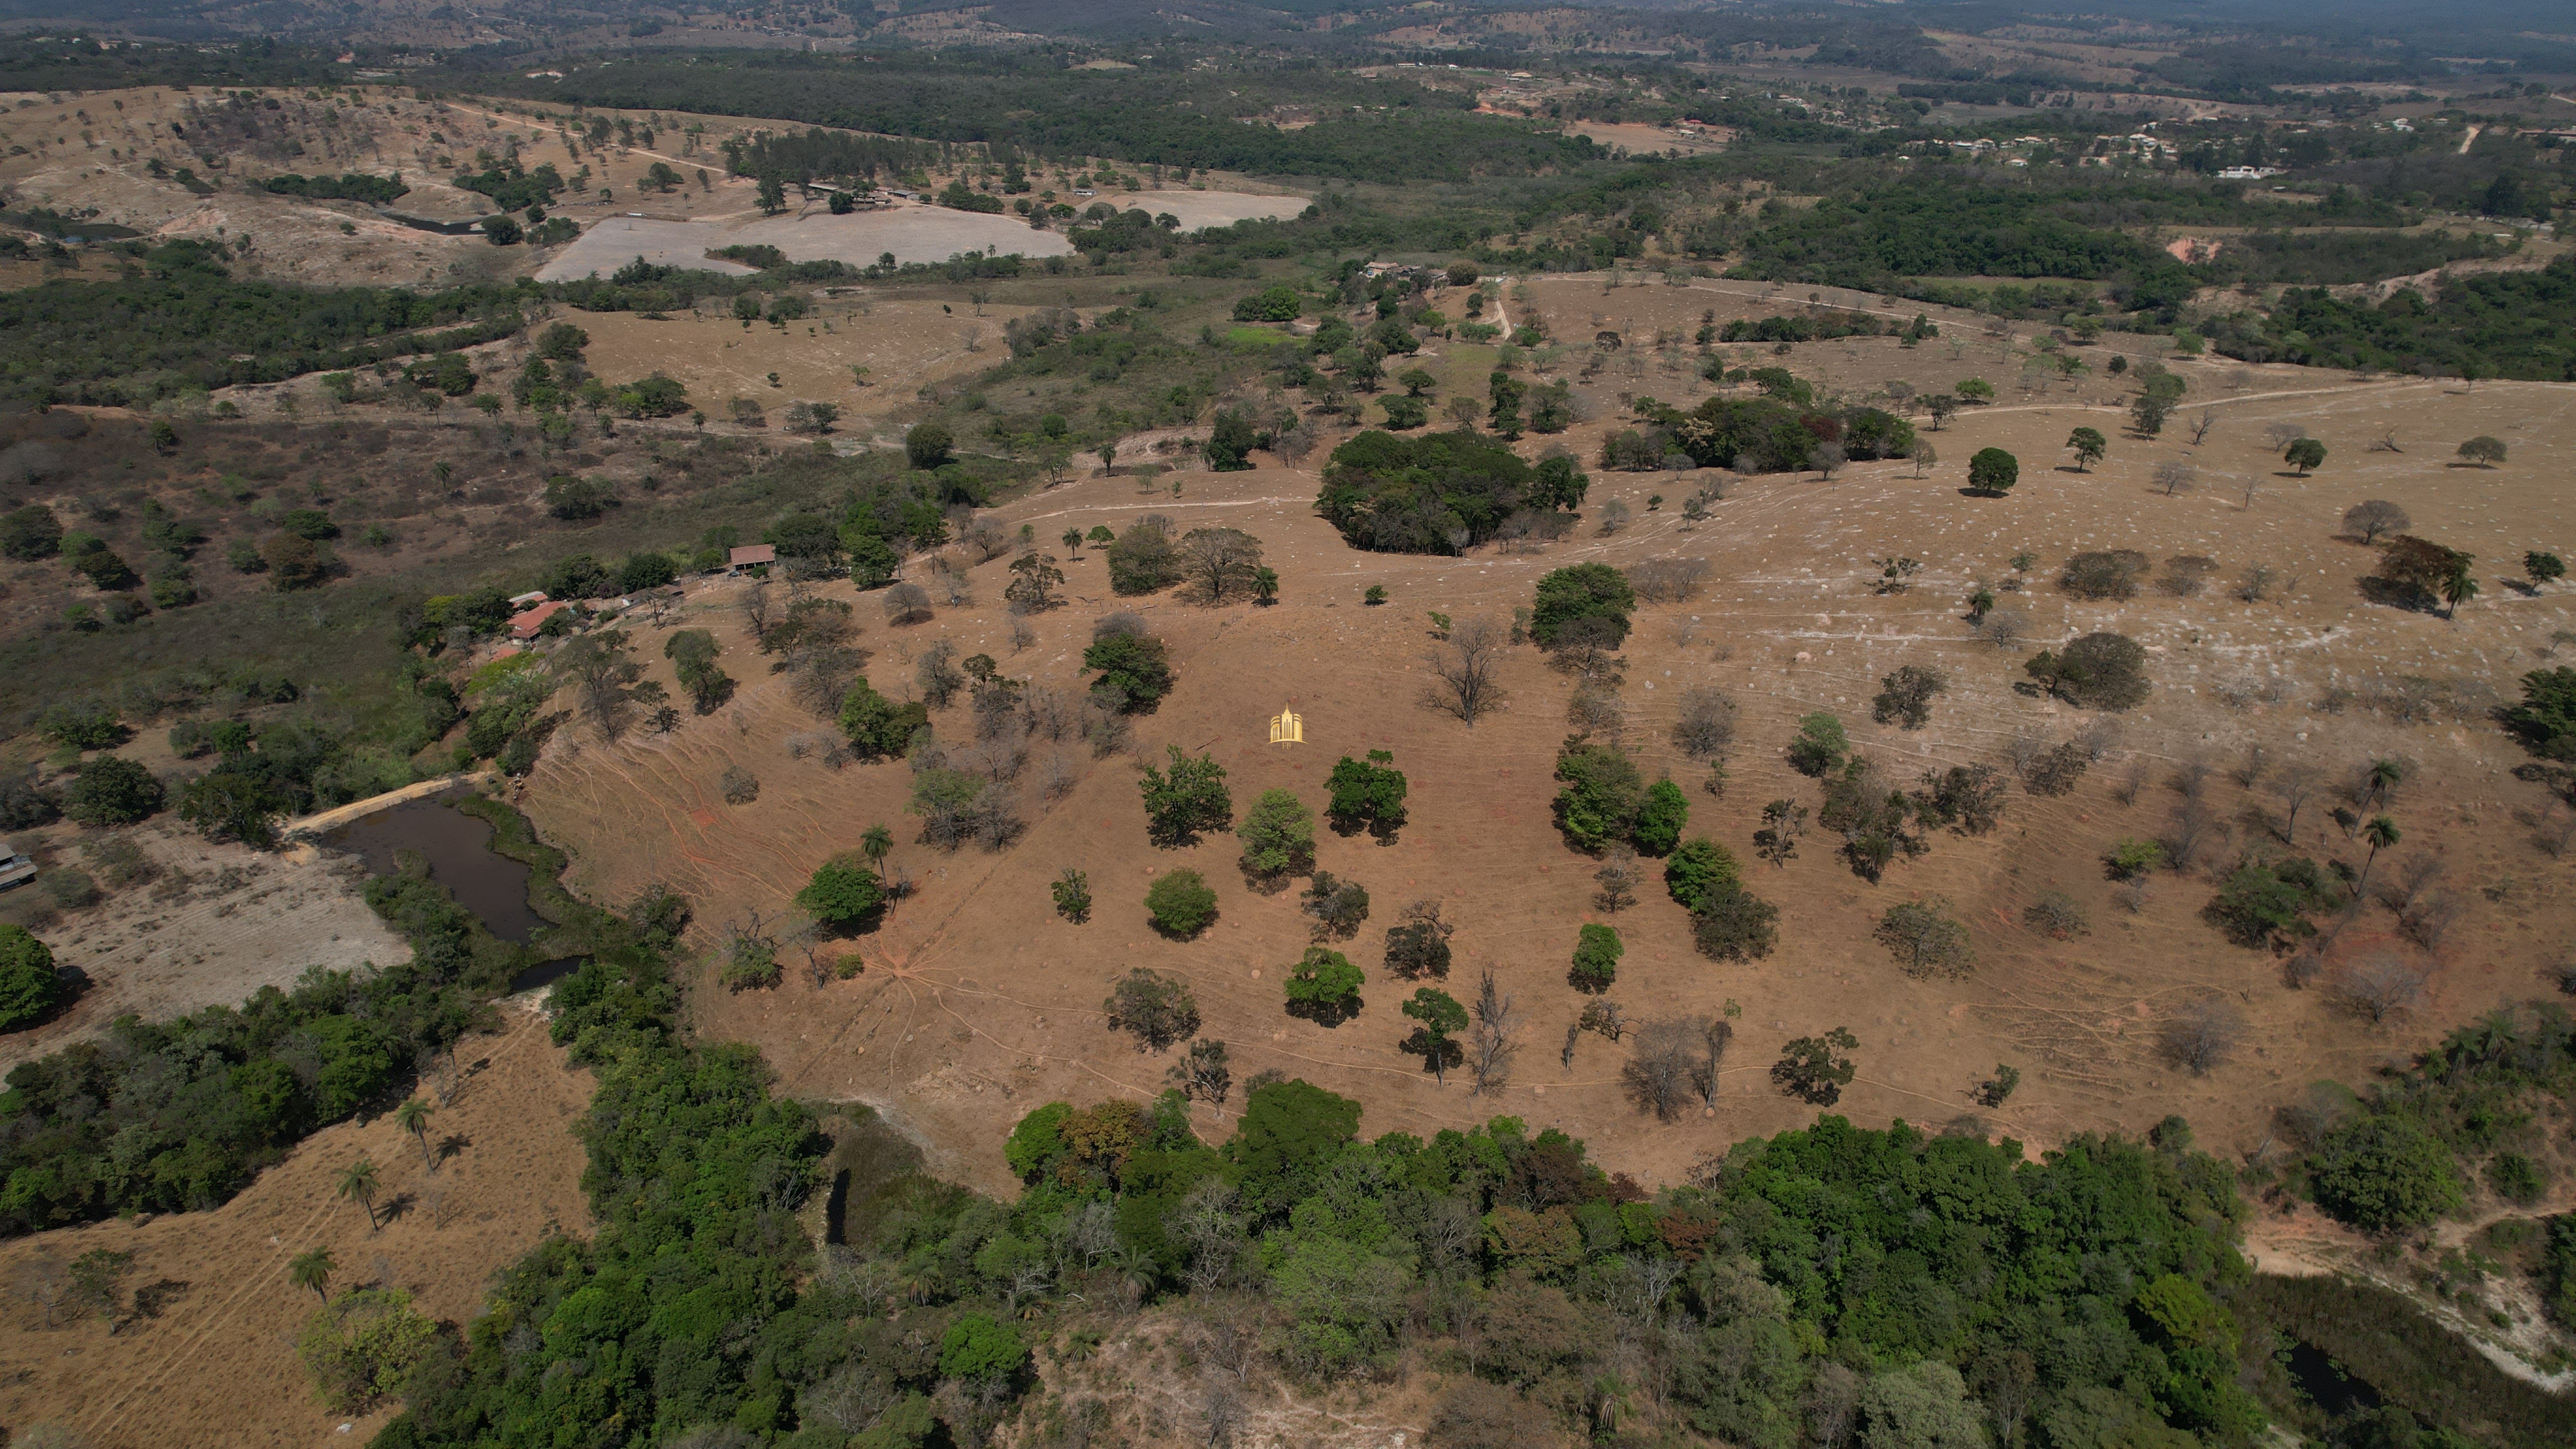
column 220, row 922
column 218, row 1366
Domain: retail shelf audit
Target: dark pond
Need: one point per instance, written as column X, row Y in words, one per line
column 545, row 973
column 458, row 848
column 2324, row 1382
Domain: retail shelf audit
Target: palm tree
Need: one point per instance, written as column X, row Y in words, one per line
column 2381, row 832
column 877, row 844
column 313, row 1270
column 413, row 1117
column 2458, row 588
column 2384, row 776
column 1073, row 541
column 358, row 1185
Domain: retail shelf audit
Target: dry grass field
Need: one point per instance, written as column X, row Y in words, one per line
column 977, row 1003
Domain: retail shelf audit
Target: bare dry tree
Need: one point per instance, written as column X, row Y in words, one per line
column 1714, row 1037
column 2430, row 919
column 2173, row 478
column 2400, row 888
column 2200, row 425
column 1490, row 1045
column 1467, row 672
column 2379, row 987
column 2296, row 785
column 1706, row 729
column 2201, row 1036
column 1656, row 1076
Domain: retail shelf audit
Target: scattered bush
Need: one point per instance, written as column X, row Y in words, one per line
column 362, row 1346
column 2099, row 671
column 1152, row 1007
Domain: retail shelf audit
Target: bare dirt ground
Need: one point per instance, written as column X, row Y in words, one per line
column 217, row 923
column 978, row 1003
column 912, row 231
column 218, row 1366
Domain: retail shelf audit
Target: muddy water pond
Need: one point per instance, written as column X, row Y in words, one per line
column 458, row 848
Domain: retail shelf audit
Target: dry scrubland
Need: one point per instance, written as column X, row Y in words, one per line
column 976, row 1002
column 217, row 1366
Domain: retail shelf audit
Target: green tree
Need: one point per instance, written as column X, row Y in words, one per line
column 1441, row 1018
column 1597, row 950
column 877, row 727
column 2383, row 1172
column 413, row 1117
column 1601, row 797
column 1733, row 924
column 843, row 893
column 1699, row 866
column 876, row 843
column 2483, row 451
column 1367, row 795
column 1661, row 816
column 1814, row 1069
column 1583, row 591
column 30, row 533
column 2098, row 671
column 112, row 790
column 28, row 985
column 2304, row 454
column 1324, row 987
column 1072, row 892
column 1993, row 471
column 312, row 1270
column 2088, row 445
column 1337, row 906
column 1181, row 903
column 2543, row 568
column 1976, row 390
column 928, row 445
column 980, row 1349
column 1187, row 800
column 1820, row 745
column 1278, row 835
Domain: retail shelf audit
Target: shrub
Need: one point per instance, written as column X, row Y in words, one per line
column 1733, row 924
column 111, row 790
column 2517, row 1179
column 1697, row 867
column 1660, row 818
column 2382, row 1173
column 1324, row 987
column 1418, row 944
column 739, row 786
column 2267, row 903
column 1584, row 591
column 1337, row 906
column 1181, row 903
column 1597, row 950
column 2098, row 671
column 2107, row 574
column 30, row 533
column 1152, row 1007
column 1072, row 892
column 1133, row 674
column 1993, row 471
column 1925, row 940
column 1144, row 559
column 876, row 726
column 362, row 1346
column 1601, row 797
column 1905, row 697
column 843, row 892
column 28, row 985
column 1706, row 729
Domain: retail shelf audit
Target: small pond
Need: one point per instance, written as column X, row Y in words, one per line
column 458, row 848
column 2325, row 1383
